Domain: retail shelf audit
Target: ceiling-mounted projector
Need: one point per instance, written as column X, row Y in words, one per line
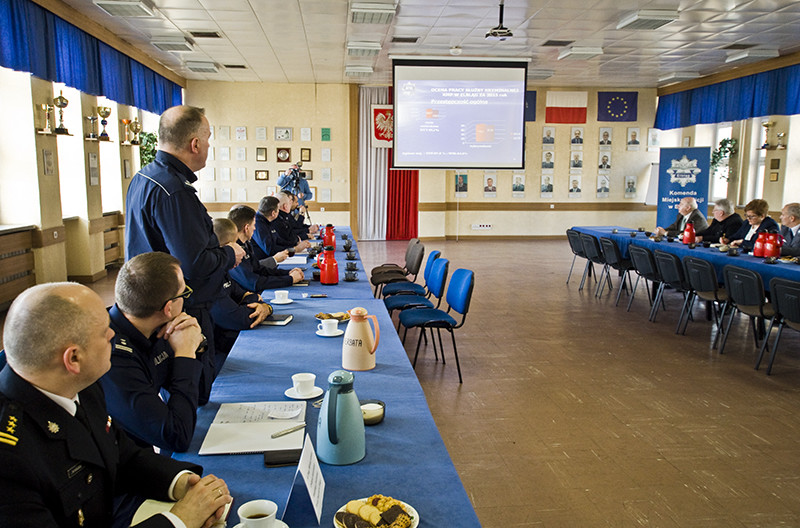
column 499, row 32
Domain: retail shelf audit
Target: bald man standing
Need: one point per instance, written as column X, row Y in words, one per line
column 63, row 460
column 163, row 213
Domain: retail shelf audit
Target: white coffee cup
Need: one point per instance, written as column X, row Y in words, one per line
column 328, row 326
column 258, row 513
column 303, row 383
column 281, row 295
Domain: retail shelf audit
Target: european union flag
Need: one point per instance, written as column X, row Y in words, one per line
column 617, row 106
column 530, row 106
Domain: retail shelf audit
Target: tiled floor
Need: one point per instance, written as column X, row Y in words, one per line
column 576, row 413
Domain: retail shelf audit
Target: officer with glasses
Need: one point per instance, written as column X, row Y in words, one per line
column 156, row 348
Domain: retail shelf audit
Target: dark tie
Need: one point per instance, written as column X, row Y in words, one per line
column 80, row 414
column 789, row 236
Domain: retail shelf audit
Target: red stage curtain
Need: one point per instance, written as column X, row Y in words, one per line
column 401, row 207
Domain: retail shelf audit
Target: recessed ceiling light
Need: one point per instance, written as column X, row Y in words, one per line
column 580, row 52
column 363, row 49
column 125, row 8
column 752, row 55
column 172, row 44
column 358, row 71
column 648, row 19
column 201, row 67
column 371, row 13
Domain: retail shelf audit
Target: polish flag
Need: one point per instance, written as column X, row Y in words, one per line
column 566, row 107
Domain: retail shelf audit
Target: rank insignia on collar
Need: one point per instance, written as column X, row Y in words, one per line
column 53, row 427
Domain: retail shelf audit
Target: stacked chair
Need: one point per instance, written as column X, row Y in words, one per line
column 412, row 288
column 389, row 273
column 437, row 277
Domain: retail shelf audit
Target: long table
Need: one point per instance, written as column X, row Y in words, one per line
column 406, row 457
column 783, row 269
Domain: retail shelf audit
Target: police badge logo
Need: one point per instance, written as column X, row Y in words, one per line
column 53, row 427
column 683, row 171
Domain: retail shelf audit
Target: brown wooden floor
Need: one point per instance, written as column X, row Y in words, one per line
column 576, row 413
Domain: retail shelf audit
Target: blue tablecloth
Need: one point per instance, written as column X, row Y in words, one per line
column 786, row 270
column 358, row 289
column 406, row 457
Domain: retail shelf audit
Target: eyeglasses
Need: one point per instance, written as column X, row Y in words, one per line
column 183, row 295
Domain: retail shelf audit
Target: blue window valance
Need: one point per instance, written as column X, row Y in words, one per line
column 35, row 40
column 774, row 92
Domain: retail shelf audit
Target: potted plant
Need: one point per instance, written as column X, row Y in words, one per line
column 726, row 148
column 147, row 147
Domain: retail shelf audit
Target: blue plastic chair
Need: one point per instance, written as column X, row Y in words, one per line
column 412, row 288
column 459, row 295
column 438, row 278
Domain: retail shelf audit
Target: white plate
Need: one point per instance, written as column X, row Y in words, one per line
column 293, row 395
column 275, row 301
column 335, row 334
column 278, row 524
column 407, row 507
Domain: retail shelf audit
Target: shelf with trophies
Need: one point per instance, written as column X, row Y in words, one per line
column 61, row 103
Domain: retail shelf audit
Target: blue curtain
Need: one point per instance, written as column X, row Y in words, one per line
column 34, row 40
column 775, row 92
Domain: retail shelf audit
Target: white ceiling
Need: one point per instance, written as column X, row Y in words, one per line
column 304, row 41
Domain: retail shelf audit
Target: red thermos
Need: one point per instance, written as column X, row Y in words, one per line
column 329, row 268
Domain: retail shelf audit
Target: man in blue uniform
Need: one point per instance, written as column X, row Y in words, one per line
column 155, row 347
column 164, row 214
column 63, row 460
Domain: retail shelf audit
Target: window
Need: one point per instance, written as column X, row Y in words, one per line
column 719, row 179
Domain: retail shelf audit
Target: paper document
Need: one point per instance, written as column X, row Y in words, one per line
column 247, row 428
column 297, row 260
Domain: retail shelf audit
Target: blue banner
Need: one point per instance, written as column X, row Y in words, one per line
column 682, row 172
column 530, row 105
column 617, row 106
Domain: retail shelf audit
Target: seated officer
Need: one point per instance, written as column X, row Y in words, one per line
column 250, row 274
column 62, row 458
column 284, row 235
column 155, row 348
column 264, row 234
column 237, row 308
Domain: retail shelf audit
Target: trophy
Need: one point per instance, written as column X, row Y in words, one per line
column 48, row 129
column 61, row 103
column 135, row 127
column 767, row 125
column 104, row 112
column 92, row 135
column 125, row 123
column 781, row 136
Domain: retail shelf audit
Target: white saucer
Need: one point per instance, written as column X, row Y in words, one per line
column 278, row 524
column 335, row 334
column 293, row 395
column 275, row 301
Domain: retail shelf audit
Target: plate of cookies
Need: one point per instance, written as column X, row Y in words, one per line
column 378, row 511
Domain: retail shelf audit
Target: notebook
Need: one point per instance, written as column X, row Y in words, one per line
column 247, row 428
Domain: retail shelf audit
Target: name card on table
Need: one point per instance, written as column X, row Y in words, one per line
column 309, row 488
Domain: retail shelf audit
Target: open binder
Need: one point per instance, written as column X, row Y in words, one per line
column 247, row 428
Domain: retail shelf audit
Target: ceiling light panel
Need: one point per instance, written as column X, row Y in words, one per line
column 363, row 49
column 647, row 19
column 201, row 66
column 371, row 13
column 580, row 53
column 122, row 8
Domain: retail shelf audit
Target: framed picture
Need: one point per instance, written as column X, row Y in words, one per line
column 305, row 154
column 307, row 174
column 284, row 155
column 126, row 169
column 775, row 164
column 283, row 134
column 261, row 153
column 262, row 175
column 773, row 176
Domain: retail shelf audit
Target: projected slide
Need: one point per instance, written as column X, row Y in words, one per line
column 462, row 122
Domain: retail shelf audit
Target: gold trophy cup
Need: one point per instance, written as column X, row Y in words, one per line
column 92, row 135
column 104, row 112
column 61, row 103
column 125, row 123
column 135, row 127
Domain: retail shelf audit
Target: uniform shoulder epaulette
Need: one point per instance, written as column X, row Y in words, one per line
column 10, row 422
column 122, row 344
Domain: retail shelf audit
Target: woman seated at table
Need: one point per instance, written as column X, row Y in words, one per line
column 725, row 222
column 758, row 221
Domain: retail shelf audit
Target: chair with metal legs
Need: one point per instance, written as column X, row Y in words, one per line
column 785, row 296
column 438, row 279
column 413, row 264
column 591, row 247
column 412, row 288
column 459, row 295
column 645, row 265
column 615, row 261
column 575, row 244
column 671, row 271
column 746, row 294
column 702, row 279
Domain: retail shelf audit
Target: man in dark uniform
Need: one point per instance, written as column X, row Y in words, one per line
column 62, row 458
column 284, row 235
column 154, row 349
column 164, row 214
